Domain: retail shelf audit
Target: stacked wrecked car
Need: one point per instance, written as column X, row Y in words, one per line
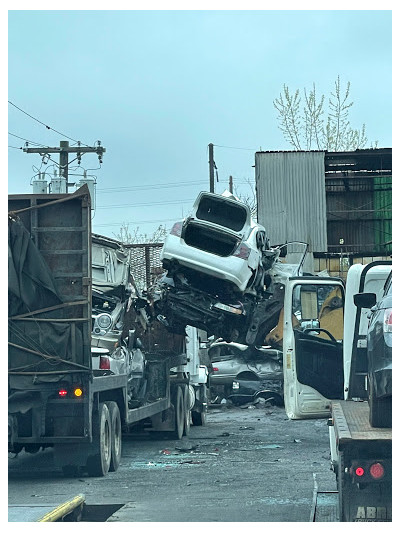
column 114, row 348
column 221, row 276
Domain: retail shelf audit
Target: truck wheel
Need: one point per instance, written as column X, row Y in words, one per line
column 179, row 413
column 116, row 436
column 199, row 419
column 187, row 417
column 98, row 463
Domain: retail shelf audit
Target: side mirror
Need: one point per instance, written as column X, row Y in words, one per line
column 365, row 299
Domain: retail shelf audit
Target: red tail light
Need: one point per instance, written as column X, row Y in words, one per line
column 62, row 393
column 104, row 363
column 369, row 470
column 377, row 471
column 215, row 369
column 387, row 321
column 177, row 229
column 243, row 251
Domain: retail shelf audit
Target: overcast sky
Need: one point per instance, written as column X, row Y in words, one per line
column 156, row 87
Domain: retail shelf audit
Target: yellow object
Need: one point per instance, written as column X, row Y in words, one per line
column 63, row 510
column 78, row 392
column 275, row 336
column 331, row 314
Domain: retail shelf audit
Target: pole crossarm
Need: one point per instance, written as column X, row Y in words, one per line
column 69, row 149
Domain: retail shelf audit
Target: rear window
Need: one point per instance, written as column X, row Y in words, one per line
column 210, row 240
column 222, row 212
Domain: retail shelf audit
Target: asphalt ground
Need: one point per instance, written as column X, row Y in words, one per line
column 245, row 465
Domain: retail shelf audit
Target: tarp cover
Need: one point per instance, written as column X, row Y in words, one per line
column 30, row 283
column 30, row 288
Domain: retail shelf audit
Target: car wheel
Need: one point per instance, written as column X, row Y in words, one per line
column 116, row 436
column 98, row 463
column 380, row 410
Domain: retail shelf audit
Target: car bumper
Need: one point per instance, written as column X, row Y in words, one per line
column 233, row 269
column 382, row 382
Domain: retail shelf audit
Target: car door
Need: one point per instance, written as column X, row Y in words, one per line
column 312, row 345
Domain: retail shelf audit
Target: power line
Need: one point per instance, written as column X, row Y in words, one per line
column 144, row 204
column 27, row 140
column 135, row 222
column 236, row 148
column 43, row 124
column 154, row 186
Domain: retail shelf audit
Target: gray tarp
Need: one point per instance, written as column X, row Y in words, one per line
column 30, row 283
column 30, row 288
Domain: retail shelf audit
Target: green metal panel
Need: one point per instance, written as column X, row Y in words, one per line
column 383, row 213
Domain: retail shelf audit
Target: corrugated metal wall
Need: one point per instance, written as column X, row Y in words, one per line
column 291, row 199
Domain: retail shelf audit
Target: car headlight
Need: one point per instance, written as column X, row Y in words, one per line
column 104, row 321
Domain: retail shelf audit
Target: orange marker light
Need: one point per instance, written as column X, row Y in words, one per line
column 78, row 392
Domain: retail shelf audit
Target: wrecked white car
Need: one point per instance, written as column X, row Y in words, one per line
column 113, row 349
column 219, row 240
column 219, row 273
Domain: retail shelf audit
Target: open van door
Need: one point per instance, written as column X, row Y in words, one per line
column 312, row 345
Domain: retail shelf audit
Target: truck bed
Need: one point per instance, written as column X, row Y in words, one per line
column 350, row 419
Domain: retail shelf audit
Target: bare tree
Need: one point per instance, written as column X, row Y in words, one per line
column 312, row 128
column 135, row 237
column 248, row 198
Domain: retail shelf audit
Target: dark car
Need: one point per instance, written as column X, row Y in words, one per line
column 247, row 372
column 379, row 353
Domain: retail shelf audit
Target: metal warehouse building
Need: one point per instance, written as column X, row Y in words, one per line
column 338, row 202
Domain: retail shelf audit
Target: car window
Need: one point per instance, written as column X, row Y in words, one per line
column 388, row 286
column 318, row 307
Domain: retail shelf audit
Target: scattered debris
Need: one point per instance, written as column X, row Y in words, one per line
column 247, row 428
column 188, row 448
column 296, row 440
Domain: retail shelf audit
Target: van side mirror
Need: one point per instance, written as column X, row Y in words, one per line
column 365, row 299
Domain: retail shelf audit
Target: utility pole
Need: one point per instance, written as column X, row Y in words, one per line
column 64, row 150
column 231, row 184
column 211, row 165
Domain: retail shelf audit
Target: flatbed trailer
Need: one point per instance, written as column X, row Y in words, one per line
column 56, row 398
column 362, row 463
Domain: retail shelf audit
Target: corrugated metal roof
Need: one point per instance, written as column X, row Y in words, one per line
column 291, row 197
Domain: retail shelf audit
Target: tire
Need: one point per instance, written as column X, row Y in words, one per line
column 98, row 463
column 179, row 408
column 187, row 416
column 380, row 410
column 116, row 436
column 199, row 419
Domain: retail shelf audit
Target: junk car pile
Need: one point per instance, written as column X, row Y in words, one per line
column 221, row 275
